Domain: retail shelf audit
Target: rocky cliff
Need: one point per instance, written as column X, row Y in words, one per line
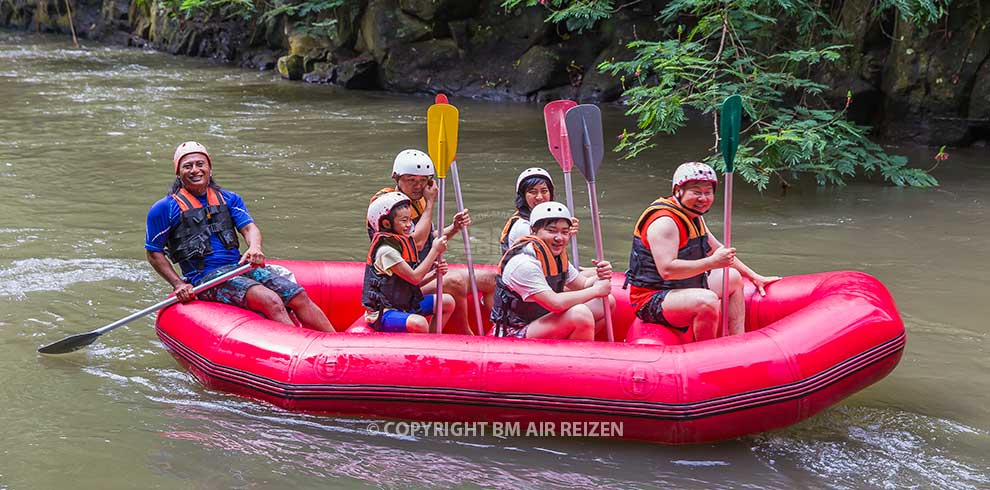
column 928, row 85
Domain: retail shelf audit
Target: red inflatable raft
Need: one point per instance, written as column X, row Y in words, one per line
column 811, row 341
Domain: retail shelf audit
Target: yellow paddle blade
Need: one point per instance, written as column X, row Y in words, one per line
column 441, row 130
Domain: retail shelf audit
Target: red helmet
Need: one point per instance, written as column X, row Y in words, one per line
column 187, row 148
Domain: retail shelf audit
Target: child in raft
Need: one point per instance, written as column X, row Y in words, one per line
column 393, row 272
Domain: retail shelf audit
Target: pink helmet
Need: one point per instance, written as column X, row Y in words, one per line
column 694, row 171
column 187, row 148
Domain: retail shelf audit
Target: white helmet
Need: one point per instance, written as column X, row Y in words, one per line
column 548, row 210
column 379, row 208
column 530, row 172
column 694, row 171
column 412, row 162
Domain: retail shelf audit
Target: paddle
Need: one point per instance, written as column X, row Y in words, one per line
column 465, row 236
column 80, row 340
column 728, row 134
column 441, row 130
column 553, row 115
column 587, row 151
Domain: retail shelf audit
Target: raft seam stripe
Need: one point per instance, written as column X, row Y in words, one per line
column 562, row 403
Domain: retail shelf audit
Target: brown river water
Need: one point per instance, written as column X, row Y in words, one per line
column 85, row 149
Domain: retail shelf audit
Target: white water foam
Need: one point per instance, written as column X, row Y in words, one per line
column 33, row 275
column 856, row 447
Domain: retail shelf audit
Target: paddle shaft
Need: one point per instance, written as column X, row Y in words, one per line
column 438, row 301
column 727, row 236
column 600, row 252
column 80, row 340
column 467, row 249
column 171, row 300
column 569, row 189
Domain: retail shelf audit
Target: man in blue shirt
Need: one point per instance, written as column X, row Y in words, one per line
column 196, row 226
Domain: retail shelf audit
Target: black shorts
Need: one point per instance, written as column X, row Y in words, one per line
column 652, row 311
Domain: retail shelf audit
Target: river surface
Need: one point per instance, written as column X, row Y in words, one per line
column 87, row 137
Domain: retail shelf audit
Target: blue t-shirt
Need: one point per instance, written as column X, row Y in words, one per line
column 164, row 215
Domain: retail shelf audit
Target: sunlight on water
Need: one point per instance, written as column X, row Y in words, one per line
column 884, row 448
column 30, row 275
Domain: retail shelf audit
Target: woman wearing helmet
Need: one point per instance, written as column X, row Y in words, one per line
column 538, row 294
column 675, row 266
column 533, row 186
column 412, row 171
column 393, row 271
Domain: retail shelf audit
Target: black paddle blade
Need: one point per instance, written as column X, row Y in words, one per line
column 70, row 344
column 584, row 134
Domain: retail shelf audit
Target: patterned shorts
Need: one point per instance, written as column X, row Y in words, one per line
column 652, row 311
column 234, row 290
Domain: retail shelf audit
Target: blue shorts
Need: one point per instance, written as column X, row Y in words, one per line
column 395, row 320
column 234, row 290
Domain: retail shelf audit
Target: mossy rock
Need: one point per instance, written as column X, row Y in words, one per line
column 385, row 26
column 538, row 68
column 292, row 66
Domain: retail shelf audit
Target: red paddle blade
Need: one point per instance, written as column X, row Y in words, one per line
column 441, row 99
column 553, row 115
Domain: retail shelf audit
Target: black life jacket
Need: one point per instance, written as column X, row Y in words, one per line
column 417, row 212
column 692, row 245
column 189, row 241
column 383, row 291
column 503, row 240
column 509, row 311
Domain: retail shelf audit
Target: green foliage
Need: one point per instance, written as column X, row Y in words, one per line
column 917, row 11
column 243, row 9
column 313, row 15
column 763, row 50
column 576, row 15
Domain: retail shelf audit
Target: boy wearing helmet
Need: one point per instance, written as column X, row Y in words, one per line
column 538, row 294
column 675, row 266
column 196, row 226
column 393, row 270
column 412, row 171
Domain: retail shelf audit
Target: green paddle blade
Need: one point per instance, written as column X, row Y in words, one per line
column 728, row 130
column 584, row 135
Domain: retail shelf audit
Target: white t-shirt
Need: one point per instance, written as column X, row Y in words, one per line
column 524, row 275
column 520, row 228
column 385, row 258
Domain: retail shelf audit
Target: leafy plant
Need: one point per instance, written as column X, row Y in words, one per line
column 312, row 13
column 764, row 50
column 578, row 16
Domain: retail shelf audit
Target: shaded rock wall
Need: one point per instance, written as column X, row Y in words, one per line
column 929, row 85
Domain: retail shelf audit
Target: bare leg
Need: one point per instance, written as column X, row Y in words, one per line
column 310, row 315
column 265, row 301
column 597, row 307
column 577, row 323
column 449, row 306
column 486, row 285
column 696, row 308
column 737, row 302
column 417, row 324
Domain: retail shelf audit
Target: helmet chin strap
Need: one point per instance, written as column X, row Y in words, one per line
column 678, row 199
